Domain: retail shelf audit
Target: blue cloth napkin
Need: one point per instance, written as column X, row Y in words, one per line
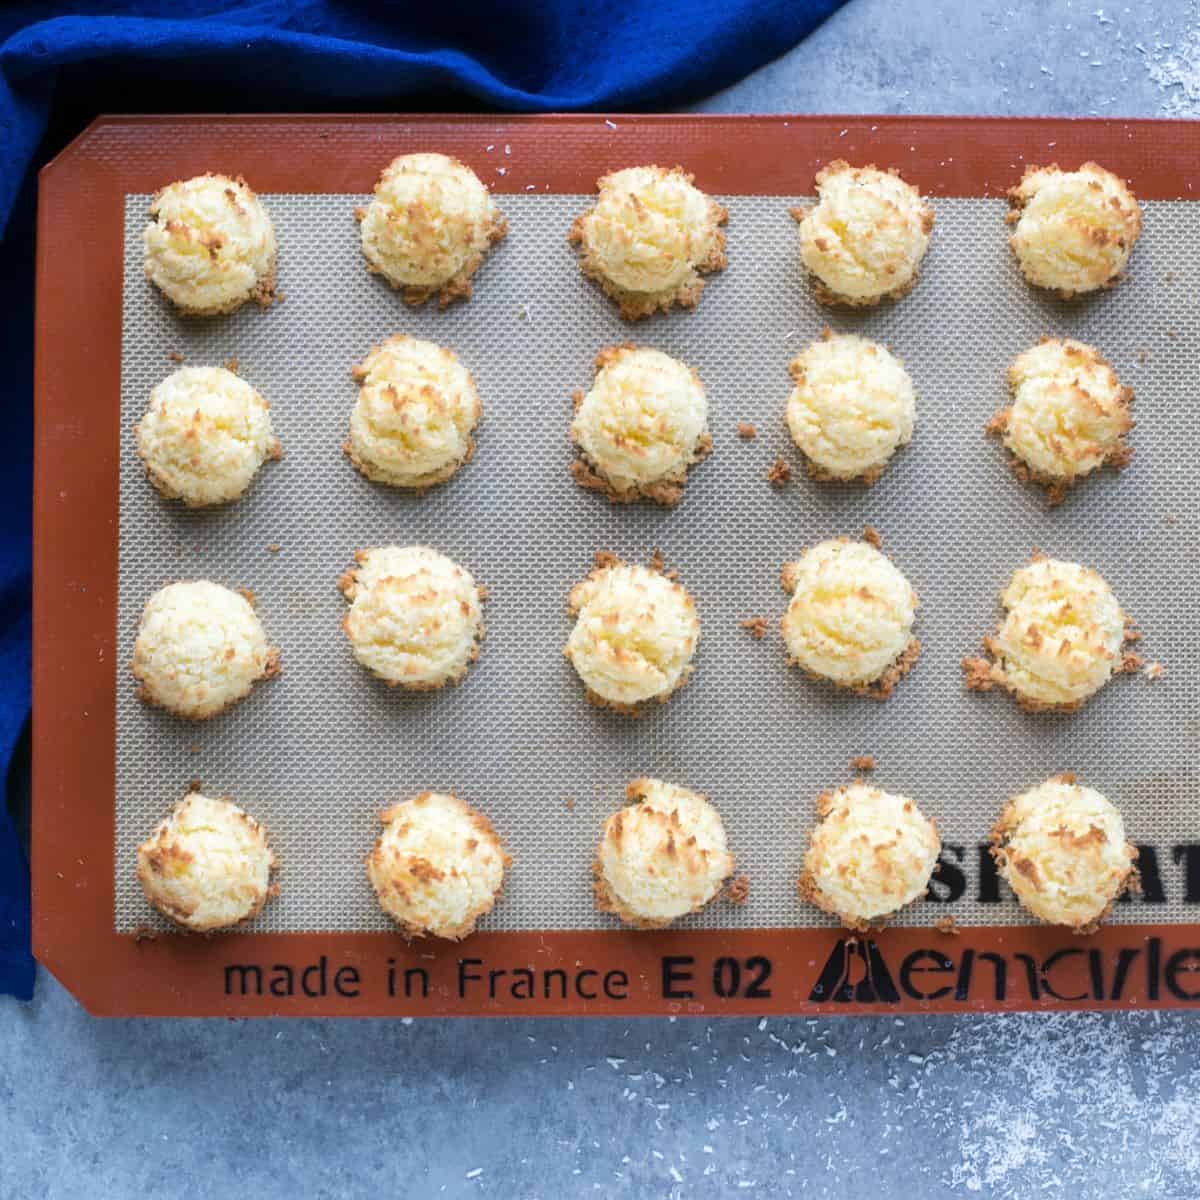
column 61, row 64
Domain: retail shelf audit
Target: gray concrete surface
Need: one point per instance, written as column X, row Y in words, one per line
column 1080, row 1106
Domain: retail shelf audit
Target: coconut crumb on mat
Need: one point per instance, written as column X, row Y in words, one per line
column 947, row 925
column 872, row 537
column 1130, row 663
column 746, row 431
column 862, row 762
column 778, row 473
column 757, row 626
column 977, row 674
column 737, row 891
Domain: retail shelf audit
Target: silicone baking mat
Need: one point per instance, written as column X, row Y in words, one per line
column 318, row 752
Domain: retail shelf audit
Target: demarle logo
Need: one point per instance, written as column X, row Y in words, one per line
column 856, row 972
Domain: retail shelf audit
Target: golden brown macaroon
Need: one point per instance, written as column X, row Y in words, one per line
column 1069, row 415
column 1074, row 230
column 864, row 240
column 416, row 616
column 412, row 422
column 1061, row 639
column 437, row 867
column 850, row 617
column 200, row 649
column 204, row 435
column 210, row 246
column 852, row 406
column 635, row 634
column 650, row 237
column 870, row 854
column 661, row 857
column 428, row 227
column 207, row 865
column 639, row 428
column 1061, row 848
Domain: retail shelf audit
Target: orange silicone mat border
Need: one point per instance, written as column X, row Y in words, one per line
column 608, row 972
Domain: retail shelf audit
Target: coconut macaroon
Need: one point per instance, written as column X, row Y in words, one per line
column 1060, row 641
column 417, row 406
column 437, row 867
column 635, row 634
column 204, row 436
column 661, row 857
column 210, row 246
column 852, row 405
column 1061, row 848
column 850, row 618
column 650, row 237
column 870, row 854
column 1068, row 417
column 428, row 227
column 200, row 648
column 864, row 239
column 1074, row 230
column 416, row 616
column 639, row 428
column 207, row 865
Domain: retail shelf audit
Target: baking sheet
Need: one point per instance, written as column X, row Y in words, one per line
column 318, row 752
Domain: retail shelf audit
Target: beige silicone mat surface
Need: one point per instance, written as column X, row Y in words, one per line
column 318, row 752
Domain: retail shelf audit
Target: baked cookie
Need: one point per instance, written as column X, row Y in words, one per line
column 428, row 227
column 635, row 634
column 1068, row 417
column 200, row 648
column 649, row 239
column 869, row 855
column 864, row 239
column 210, row 246
column 416, row 409
column 851, row 407
column 437, row 867
column 1060, row 641
column 639, row 428
column 416, row 617
column 1074, row 230
column 1061, row 848
column 207, row 865
column 204, row 436
column 850, row 617
column 661, row 857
